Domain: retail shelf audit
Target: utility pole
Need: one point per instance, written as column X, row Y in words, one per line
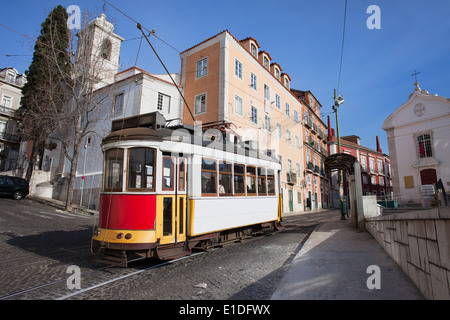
column 337, row 102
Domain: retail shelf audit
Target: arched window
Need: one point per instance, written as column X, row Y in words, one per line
column 424, row 146
column 105, row 50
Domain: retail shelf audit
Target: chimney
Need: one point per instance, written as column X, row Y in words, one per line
column 378, row 145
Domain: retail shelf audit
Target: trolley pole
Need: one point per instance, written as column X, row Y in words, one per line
column 337, row 102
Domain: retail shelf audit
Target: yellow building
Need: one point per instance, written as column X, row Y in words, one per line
column 225, row 79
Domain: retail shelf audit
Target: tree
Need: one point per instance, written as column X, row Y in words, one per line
column 75, row 77
column 43, row 94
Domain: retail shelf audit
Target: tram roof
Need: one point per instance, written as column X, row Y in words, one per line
column 182, row 135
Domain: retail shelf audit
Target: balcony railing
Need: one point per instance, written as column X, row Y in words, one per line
column 291, row 178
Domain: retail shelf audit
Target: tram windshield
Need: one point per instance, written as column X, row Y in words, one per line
column 141, row 169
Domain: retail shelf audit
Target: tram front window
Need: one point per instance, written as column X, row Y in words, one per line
column 141, row 169
column 113, row 170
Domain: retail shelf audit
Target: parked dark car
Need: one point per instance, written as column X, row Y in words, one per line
column 14, row 187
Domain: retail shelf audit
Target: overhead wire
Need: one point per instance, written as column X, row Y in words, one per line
column 152, row 32
column 342, row 48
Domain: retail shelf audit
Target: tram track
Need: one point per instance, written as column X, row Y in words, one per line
column 90, row 276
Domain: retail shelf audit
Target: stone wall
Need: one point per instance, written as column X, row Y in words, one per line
column 419, row 241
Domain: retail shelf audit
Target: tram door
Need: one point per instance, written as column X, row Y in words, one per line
column 171, row 206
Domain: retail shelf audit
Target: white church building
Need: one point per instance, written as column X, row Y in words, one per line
column 130, row 92
column 418, row 134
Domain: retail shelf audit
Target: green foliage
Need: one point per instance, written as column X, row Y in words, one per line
column 44, row 91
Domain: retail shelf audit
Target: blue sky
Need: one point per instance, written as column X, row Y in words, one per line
column 303, row 36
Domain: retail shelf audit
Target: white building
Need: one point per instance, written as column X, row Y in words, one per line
column 418, row 134
column 130, row 92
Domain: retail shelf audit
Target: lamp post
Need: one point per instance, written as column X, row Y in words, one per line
column 337, row 102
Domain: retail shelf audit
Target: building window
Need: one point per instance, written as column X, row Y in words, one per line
column 238, row 68
column 267, row 123
column 289, row 165
column 254, row 115
column 295, row 116
column 238, row 107
column 277, row 73
column 118, row 104
column 372, row 165
column 424, row 146
column 208, row 177
column 363, row 164
column 278, row 130
column 288, row 136
column 266, row 62
column 253, row 81
column 380, row 166
column 364, row 179
column 266, row 98
column 373, row 180
column 6, row 101
column 297, row 142
column 286, row 83
column 200, row 104
column 288, row 111
column 10, row 77
column 202, row 67
column 253, row 49
column 163, row 102
column 277, row 101
column 297, row 173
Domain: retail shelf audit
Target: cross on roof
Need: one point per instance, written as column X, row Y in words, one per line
column 415, row 74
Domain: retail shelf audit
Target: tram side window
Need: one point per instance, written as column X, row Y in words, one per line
column 262, row 182
column 270, row 182
column 251, row 180
column 167, row 173
column 141, row 169
column 182, row 175
column 113, row 170
column 239, row 180
column 225, row 178
column 209, row 172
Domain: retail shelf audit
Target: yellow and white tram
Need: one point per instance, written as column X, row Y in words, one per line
column 165, row 193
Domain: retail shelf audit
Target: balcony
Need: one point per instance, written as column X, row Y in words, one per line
column 308, row 123
column 8, row 137
column 291, row 178
column 316, row 169
column 310, row 166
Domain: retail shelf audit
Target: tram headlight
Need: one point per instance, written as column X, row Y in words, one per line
column 120, row 236
column 128, row 236
column 96, row 232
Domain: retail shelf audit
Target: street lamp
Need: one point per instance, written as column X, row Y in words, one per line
column 337, row 102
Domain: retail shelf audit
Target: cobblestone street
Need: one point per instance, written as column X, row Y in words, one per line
column 39, row 243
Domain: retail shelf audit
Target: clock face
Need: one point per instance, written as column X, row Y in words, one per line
column 419, row 109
